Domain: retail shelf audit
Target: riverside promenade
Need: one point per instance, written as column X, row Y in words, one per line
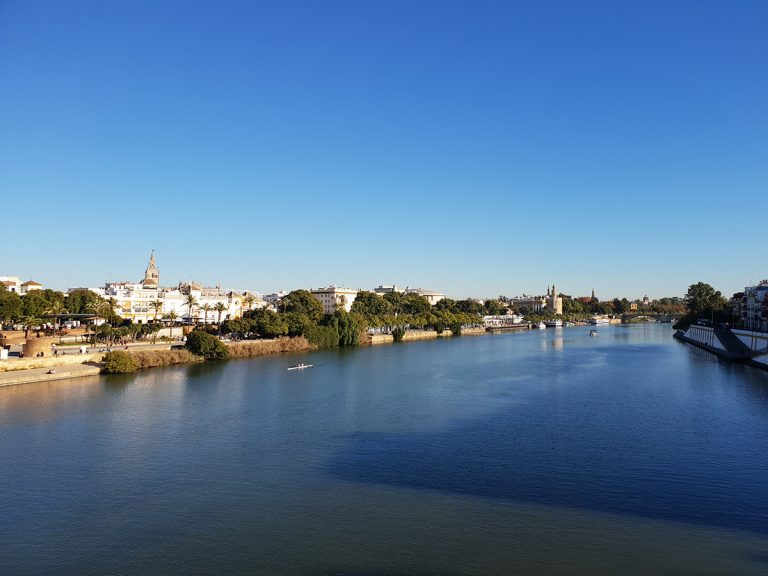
column 41, row 374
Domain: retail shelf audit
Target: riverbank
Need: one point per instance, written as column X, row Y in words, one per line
column 31, row 370
column 734, row 345
column 35, row 375
column 413, row 335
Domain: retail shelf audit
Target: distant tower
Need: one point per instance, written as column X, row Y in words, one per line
column 152, row 274
column 593, row 293
column 555, row 302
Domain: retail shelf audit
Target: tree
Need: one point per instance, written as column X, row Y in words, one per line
column 220, row 307
column 35, row 304
column 11, row 306
column 157, row 307
column 81, row 300
column 112, row 306
column 267, row 323
column 396, row 301
column 171, row 317
column 120, row 362
column 190, row 302
column 371, row 306
column 493, row 308
column 302, row 301
column 469, row 306
column 702, row 297
column 206, row 308
column 248, row 300
column 55, row 309
column 206, row 345
column 348, row 326
column 30, row 322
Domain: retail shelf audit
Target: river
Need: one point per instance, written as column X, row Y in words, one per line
column 539, row 452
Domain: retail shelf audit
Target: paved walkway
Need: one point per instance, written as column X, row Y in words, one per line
column 41, row 374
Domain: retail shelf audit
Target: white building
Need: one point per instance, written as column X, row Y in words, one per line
column 431, row 296
column 14, row 284
column 137, row 301
column 334, row 297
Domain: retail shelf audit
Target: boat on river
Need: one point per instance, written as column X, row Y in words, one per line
column 553, row 323
column 541, row 325
column 300, row 366
column 593, row 332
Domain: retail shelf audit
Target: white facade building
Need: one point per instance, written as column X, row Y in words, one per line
column 335, row 297
column 431, row 296
column 135, row 301
column 14, row 284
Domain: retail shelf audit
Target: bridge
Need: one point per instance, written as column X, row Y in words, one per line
column 657, row 317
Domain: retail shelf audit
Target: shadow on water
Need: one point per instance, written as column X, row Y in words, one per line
column 678, row 466
column 342, row 572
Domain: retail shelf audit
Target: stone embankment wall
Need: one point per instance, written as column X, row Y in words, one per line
column 48, row 361
column 420, row 335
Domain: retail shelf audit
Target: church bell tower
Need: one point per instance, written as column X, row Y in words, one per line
column 152, row 274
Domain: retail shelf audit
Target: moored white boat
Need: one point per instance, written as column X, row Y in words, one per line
column 541, row 326
column 553, row 323
column 599, row 320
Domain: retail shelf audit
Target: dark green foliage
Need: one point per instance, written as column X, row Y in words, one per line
column 298, row 323
column 702, row 298
column 11, row 306
column 268, row 324
column 493, row 308
column 469, row 306
column 119, row 362
column 35, row 303
column 370, row 305
column 206, row 345
column 349, row 327
column 81, row 301
column 303, row 302
column 323, row 336
column 398, row 333
column 456, row 329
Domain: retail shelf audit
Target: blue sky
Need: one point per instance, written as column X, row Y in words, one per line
column 478, row 148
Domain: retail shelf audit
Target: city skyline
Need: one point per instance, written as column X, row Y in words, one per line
column 476, row 150
column 137, row 279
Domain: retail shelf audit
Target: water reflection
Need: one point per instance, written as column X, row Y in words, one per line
column 544, row 452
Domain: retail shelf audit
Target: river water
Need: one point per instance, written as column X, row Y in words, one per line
column 540, row 452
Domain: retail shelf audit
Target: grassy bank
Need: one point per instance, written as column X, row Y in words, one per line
column 251, row 348
column 156, row 358
column 125, row 361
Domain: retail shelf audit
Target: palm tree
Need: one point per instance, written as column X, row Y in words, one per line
column 101, row 309
column 249, row 299
column 30, row 322
column 171, row 317
column 157, row 306
column 220, row 307
column 190, row 302
column 113, row 305
column 55, row 309
column 206, row 308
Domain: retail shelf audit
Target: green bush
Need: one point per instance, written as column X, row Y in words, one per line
column 206, row 345
column 323, row 336
column 456, row 329
column 119, row 362
column 398, row 333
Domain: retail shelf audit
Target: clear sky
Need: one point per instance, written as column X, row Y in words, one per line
column 478, row 148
